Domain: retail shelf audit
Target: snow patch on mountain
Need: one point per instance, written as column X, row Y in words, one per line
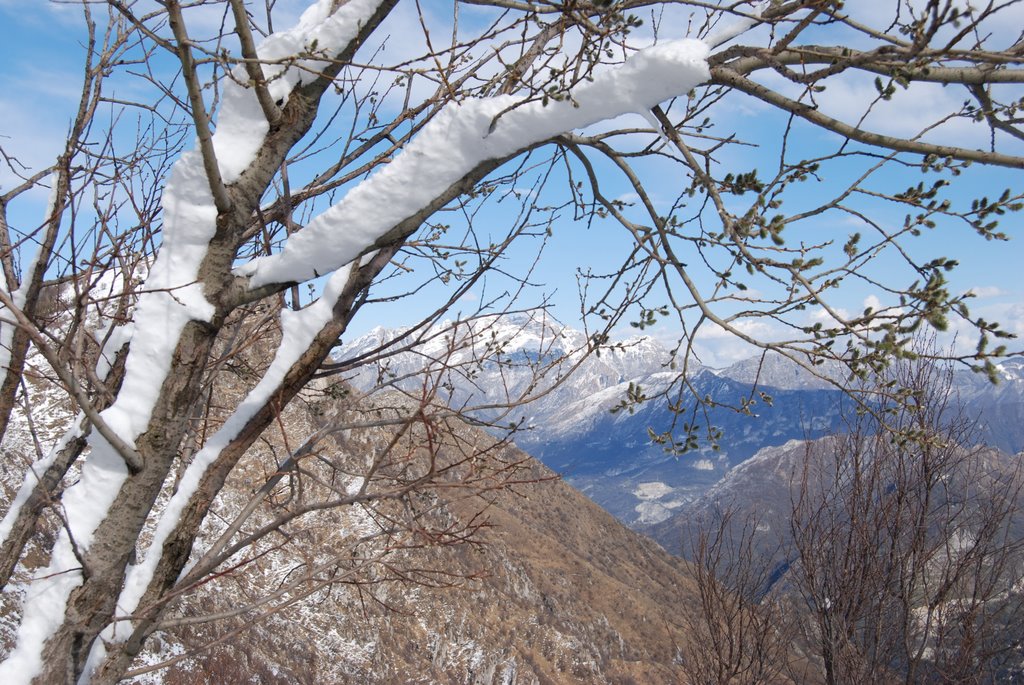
column 652, row 512
column 649, row 491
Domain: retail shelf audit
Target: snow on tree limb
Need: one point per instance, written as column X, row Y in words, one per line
column 298, row 329
column 464, row 135
column 172, row 299
column 288, row 56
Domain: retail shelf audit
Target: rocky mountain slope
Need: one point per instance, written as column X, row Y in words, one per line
column 499, row 573
column 552, row 590
column 767, row 486
column 999, row 408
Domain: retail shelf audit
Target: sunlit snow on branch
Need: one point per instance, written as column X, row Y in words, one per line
column 463, row 136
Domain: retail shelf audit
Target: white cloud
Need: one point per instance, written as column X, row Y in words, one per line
column 963, row 337
column 907, row 114
column 873, row 303
column 718, row 348
column 724, row 353
column 822, row 315
column 754, row 328
column 43, row 16
column 983, row 291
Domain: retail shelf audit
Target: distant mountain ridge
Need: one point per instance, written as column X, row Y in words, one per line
column 611, row 456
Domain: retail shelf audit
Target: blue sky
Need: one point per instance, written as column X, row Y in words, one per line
column 38, row 90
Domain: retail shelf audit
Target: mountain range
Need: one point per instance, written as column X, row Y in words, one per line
column 585, row 426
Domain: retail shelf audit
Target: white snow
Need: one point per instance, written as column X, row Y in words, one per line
column 85, row 504
column 50, row 418
column 653, row 508
column 652, row 512
column 357, row 484
column 118, row 337
column 171, row 301
column 28, row 484
column 1010, row 372
column 241, row 125
column 460, row 138
column 653, row 490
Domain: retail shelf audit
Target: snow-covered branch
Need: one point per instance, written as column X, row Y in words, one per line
column 461, row 137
